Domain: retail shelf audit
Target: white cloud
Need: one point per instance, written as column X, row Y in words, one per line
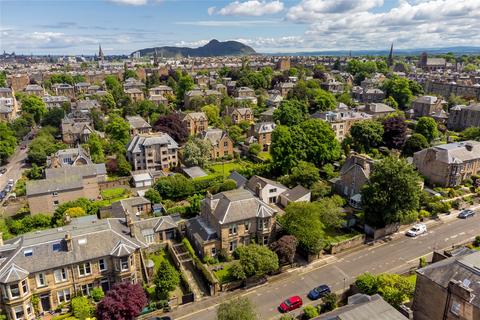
column 227, row 23
column 410, row 24
column 130, row 2
column 249, row 8
column 191, row 44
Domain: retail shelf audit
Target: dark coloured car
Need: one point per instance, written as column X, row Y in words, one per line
column 290, row 304
column 466, row 214
column 160, row 318
column 2, row 195
column 319, row 292
column 3, row 170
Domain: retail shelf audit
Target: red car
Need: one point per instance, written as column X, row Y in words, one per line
column 291, row 303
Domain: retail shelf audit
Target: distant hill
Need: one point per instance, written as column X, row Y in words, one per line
column 459, row 50
column 213, row 48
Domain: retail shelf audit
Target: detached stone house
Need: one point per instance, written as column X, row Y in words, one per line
column 64, row 89
column 54, row 265
column 354, row 173
column 138, row 125
column 69, row 157
column 273, row 192
column 262, row 134
column 425, row 106
column 160, row 91
column 195, row 122
column 64, row 184
column 55, row 101
column 230, row 219
column 448, row 165
column 74, row 132
column 462, row 117
column 135, row 94
column 8, row 109
column 35, row 89
column 239, row 114
column 155, row 151
column 222, row 145
column 284, row 88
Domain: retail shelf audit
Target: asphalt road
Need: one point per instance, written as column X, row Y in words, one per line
column 15, row 166
column 395, row 256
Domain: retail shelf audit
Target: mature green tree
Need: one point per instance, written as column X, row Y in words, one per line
column 35, row 106
column 43, row 146
column 3, row 79
column 95, row 148
column 184, row 84
column 196, row 152
column 153, row 195
column 472, row 133
column 382, row 201
column 107, row 102
column 302, row 220
column 415, row 87
column 53, row 117
column 366, row 135
column 391, row 102
column 22, row 125
column 427, row 127
column 399, row 89
column 414, row 143
column 290, row 112
column 304, row 173
column 166, row 279
column 394, row 288
column 236, row 134
column 8, row 142
column 254, row 149
column 174, row 187
column 256, row 260
column 82, row 308
column 123, row 166
column 97, row 294
column 236, row 309
column 320, row 189
column 118, row 130
column 321, row 100
column 330, row 211
column 213, row 114
column 321, row 143
column 285, row 149
column 129, row 73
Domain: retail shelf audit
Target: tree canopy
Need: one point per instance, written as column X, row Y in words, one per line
column 366, row 134
column 290, row 112
column 414, row 143
column 394, row 132
column 427, row 127
column 392, row 192
column 240, row 308
column 166, row 279
column 256, row 260
column 173, row 126
column 124, row 301
column 196, row 152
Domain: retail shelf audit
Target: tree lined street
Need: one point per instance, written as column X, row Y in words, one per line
column 395, row 256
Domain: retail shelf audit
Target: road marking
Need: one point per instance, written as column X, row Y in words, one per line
column 454, row 236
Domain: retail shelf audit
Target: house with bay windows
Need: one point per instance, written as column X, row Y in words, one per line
column 230, row 219
column 56, row 264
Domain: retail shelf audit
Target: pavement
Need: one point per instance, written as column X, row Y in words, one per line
column 395, row 255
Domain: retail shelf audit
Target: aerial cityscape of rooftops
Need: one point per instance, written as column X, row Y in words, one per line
column 240, row 159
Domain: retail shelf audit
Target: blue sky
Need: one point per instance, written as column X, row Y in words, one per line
column 123, row 26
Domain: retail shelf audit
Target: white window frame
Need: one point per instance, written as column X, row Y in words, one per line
column 41, row 279
column 122, row 262
column 232, row 230
column 62, row 298
column 83, row 267
column 10, row 294
column 63, row 272
column 150, row 238
column 232, row 246
column 20, row 309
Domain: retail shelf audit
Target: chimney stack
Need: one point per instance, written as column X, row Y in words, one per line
column 69, row 241
column 130, row 225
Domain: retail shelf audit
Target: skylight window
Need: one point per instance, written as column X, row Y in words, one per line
column 28, row 253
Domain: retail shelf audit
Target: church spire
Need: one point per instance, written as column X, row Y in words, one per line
column 100, row 53
column 390, row 56
column 155, row 58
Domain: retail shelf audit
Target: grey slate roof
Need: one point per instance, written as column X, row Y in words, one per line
column 296, row 193
column 264, row 127
column 137, row 122
column 70, row 182
column 238, row 178
column 238, row 205
column 99, row 238
column 455, row 152
column 254, row 180
column 214, row 135
column 374, row 308
column 139, row 142
column 82, row 171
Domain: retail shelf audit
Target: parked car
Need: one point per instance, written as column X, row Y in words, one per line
column 2, row 195
column 8, row 188
column 319, row 292
column 467, row 213
column 416, row 230
column 10, row 182
column 3, row 170
column 290, row 304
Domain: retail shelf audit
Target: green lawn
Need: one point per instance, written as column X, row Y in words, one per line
column 107, row 202
column 226, row 168
column 335, row 236
column 224, row 275
column 157, row 258
column 113, row 193
column 265, row 155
